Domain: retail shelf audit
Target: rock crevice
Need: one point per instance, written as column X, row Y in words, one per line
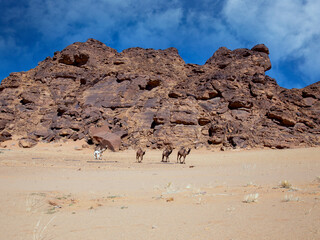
column 150, row 98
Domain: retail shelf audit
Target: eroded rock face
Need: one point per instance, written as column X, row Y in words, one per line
column 27, row 143
column 150, row 98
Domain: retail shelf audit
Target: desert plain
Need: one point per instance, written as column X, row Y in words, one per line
column 59, row 191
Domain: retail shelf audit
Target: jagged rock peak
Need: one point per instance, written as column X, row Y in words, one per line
column 242, row 58
column 151, row 98
column 261, row 48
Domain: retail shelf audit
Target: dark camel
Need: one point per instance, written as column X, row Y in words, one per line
column 183, row 152
column 166, row 153
column 139, row 155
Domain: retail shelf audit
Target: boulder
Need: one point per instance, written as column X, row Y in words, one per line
column 41, row 132
column 103, row 137
column 27, row 143
column 203, row 121
column 283, row 117
column 3, row 124
column 215, row 140
column 261, row 48
column 183, row 118
column 238, row 141
column 207, row 94
column 240, row 102
column 110, row 140
column 67, row 132
column 5, row 136
column 96, row 130
column 68, row 57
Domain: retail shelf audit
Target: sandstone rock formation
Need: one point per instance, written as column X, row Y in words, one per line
column 150, row 98
column 105, row 138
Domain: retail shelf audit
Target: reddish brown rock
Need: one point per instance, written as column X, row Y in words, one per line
column 149, row 98
column 203, row 121
column 5, row 136
column 260, row 48
column 284, row 117
column 98, row 130
column 104, row 137
column 183, row 118
column 110, row 140
column 27, row 143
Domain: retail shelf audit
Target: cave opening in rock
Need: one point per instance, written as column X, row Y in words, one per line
column 211, row 132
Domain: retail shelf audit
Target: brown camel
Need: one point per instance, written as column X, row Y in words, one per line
column 139, row 155
column 183, row 152
column 166, row 153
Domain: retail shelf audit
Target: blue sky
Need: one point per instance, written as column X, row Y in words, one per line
column 31, row 30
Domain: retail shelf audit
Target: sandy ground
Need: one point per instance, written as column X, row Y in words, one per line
column 58, row 191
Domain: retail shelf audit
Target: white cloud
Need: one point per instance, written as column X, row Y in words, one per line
column 8, row 43
column 310, row 66
column 81, row 19
column 157, row 29
column 288, row 28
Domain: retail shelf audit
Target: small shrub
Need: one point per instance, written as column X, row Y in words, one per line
column 51, row 210
column 35, row 201
column 253, row 197
column 40, row 231
column 291, row 198
column 285, row 184
column 250, row 184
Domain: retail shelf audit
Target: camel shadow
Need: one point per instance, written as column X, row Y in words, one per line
column 102, row 161
column 167, row 163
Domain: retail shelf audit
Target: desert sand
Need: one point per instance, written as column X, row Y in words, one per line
column 58, row 191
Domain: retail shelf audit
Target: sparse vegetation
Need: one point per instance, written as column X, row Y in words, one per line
column 250, row 184
column 39, row 232
column 170, row 199
column 63, row 197
column 52, row 203
column 113, row 196
column 51, row 210
column 250, row 198
column 285, row 184
column 290, row 198
column 35, row 201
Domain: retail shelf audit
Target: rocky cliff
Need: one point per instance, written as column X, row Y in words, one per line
column 152, row 97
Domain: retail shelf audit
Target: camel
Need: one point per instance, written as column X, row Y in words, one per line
column 139, row 155
column 166, row 153
column 183, row 152
column 98, row 153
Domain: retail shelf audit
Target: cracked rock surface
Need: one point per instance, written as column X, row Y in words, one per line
column 151, row 98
